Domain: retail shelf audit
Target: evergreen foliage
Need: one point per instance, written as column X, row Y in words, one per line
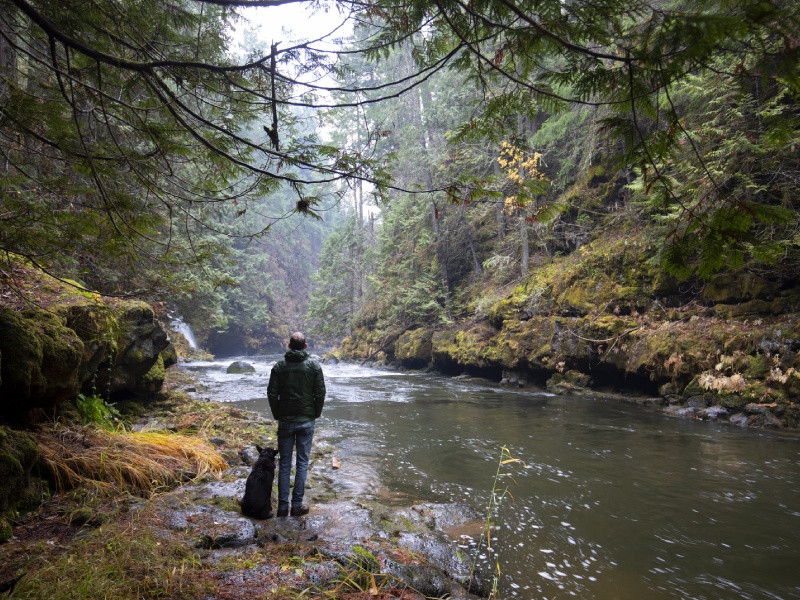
column 135, row 146
column 676, row 120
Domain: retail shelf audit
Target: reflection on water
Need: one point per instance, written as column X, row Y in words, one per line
column 612, row 501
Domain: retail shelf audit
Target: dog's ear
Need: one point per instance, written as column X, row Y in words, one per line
column 259, row 448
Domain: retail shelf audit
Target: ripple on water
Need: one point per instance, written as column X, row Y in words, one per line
column 610, row 502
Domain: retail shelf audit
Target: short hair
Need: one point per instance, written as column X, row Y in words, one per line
column 297, row 341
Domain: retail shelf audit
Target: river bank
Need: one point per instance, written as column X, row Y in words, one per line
column 192, row 541
column 605, row 318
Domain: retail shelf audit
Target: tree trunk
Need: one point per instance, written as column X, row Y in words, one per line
column 499, row 211
column 441, row 255
column 476, row 263
column 523, row 235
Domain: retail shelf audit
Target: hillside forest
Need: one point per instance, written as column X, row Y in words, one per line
column 568, row 193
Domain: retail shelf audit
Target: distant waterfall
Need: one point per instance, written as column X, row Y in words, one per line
column 185, row 330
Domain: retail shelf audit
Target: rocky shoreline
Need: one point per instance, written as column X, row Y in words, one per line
column 193, row 542
column 700, row 406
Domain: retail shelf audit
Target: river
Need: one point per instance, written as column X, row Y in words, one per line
column 608, row 501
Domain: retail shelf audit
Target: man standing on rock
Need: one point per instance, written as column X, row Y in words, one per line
column 296, row 393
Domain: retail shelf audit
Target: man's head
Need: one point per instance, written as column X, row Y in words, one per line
column 297, row 341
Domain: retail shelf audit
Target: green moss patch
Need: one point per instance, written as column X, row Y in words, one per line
column 18, row 456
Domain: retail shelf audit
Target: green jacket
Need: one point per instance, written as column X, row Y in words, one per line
column 296, row 389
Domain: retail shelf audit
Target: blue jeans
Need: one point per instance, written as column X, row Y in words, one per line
column 291, row 435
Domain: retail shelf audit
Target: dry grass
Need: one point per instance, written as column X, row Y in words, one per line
column 142, row 463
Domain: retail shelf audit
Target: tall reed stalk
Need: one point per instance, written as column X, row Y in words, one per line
column 499, row 492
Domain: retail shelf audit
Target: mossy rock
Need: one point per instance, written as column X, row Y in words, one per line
column 733, row 402
column 40, row 360
column 130, row 408
column 757, row 366
column 240, row 367
column 508, row 309
column 734, row 288
column 6, row 531
column 153, row 380
column 169, row 356
column 414, row 346
column 97, row 326
column 577, row 378
column 558, row 384
column 606, row 326
column 578, row 300
column 137, row 367
column 754, row 308
column 18, row 456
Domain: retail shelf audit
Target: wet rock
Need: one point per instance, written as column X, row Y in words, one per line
column 644, row 402
column 451, row 514
column 512, row 378
column 761, row 415
column 558, row 385
column 687, row 412
column 240, row 367
column 214, row 528
column 714, row 413
column 446, row 559
column 428, row 581
column 257, row 581
column 738, row 419
column 697, row 402
column 249, row 455
column 343, row 522
column 177, row 521
column 220, row 489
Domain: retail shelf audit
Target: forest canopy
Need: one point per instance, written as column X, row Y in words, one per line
column 134, row 144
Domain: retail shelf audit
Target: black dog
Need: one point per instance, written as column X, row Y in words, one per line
column 257, row 501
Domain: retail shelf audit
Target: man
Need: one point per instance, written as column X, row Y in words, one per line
column 296, row 393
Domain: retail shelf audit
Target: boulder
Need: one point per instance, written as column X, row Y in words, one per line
column 139, row 367
column 49, row 356
column 240, row 367
column 41, row 360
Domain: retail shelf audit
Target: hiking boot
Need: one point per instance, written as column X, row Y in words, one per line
column 282, row 512
column 299, row 511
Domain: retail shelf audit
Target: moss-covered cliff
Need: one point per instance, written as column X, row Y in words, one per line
column 610, row 321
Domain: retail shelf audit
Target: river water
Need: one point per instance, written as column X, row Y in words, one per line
column 608, row 501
